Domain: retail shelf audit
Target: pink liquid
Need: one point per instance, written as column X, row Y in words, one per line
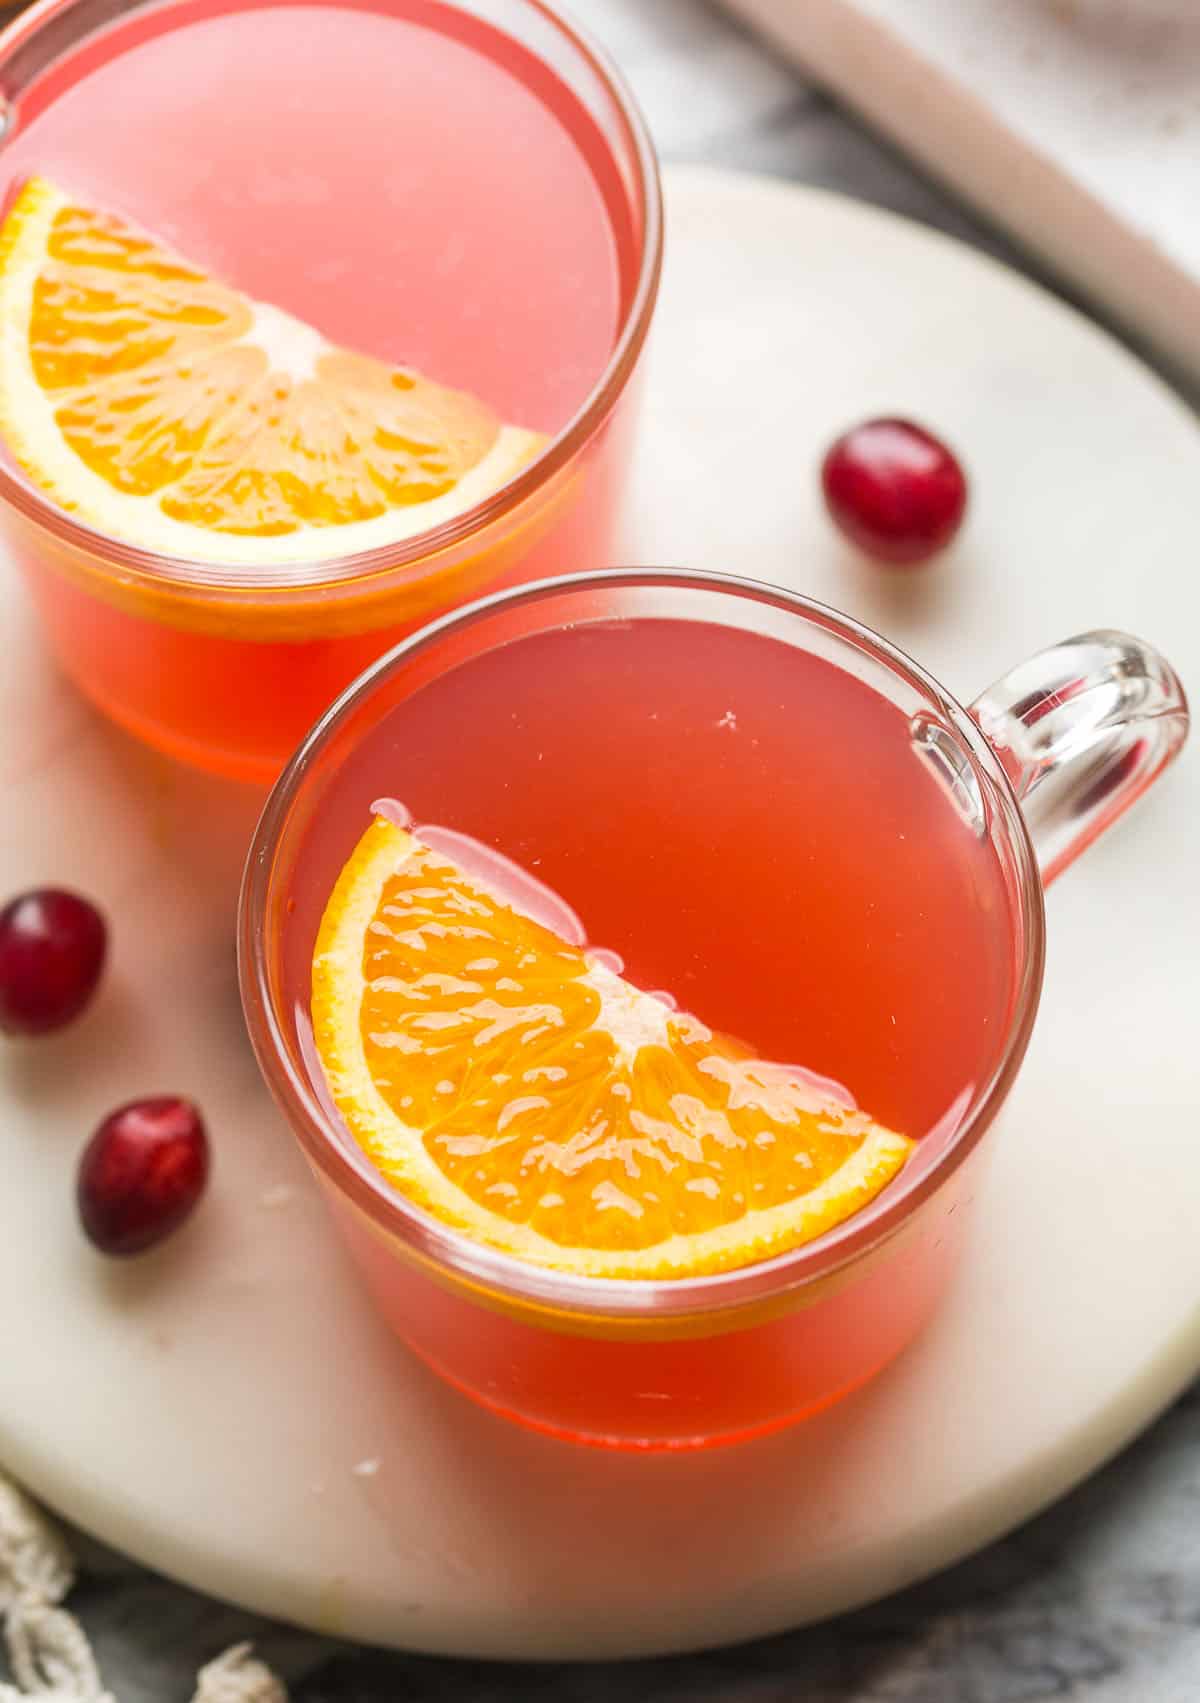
column 406, row 179
column 744, row 825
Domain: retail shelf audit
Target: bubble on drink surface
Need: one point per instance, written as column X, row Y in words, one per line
column 391, row 809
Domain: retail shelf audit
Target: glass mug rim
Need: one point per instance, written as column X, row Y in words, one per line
column 385, row 562
column 501, row 1274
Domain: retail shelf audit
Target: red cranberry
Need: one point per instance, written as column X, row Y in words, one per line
column 895, row 490
column 52, row 946
column 142, row 1173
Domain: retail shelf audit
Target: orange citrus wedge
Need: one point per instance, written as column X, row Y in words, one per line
column 520, row 1091
column 172, row 412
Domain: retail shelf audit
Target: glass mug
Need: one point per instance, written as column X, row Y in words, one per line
column 1045, row 760
column 226, row 667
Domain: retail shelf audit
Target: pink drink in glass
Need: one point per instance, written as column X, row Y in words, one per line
column 461, row 188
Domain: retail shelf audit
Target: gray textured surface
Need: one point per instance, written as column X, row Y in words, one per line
column 1099, row 1599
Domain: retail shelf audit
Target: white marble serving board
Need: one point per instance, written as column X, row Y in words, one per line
column 229, row 1411
column 1074, row 124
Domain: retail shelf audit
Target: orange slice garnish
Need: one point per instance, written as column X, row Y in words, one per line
column 173, row 412
column 519, row 1090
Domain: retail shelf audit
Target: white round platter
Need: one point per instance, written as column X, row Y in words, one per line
column 229, row 1411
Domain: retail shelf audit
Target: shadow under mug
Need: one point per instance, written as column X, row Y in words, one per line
column 1047, row 758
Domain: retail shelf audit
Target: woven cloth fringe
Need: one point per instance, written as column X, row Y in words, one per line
column 49, row 1656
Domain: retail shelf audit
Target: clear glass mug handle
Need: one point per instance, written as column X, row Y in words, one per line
column 1082, row 730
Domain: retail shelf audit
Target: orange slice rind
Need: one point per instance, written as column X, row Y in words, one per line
column 523, row 1093
column 172, row 412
